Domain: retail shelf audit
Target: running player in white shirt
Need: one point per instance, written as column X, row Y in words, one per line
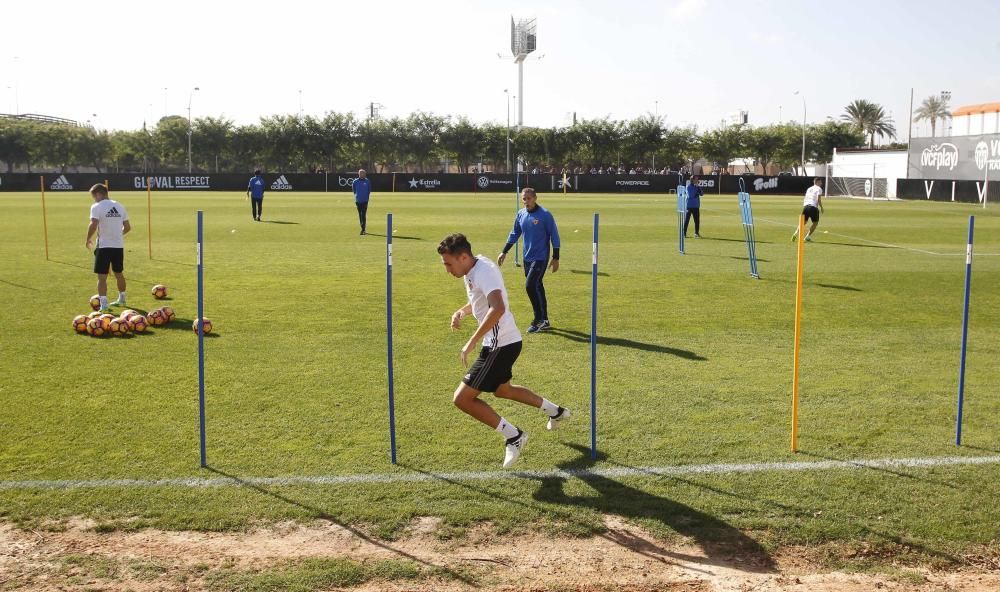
column 492, row 371
column 109, row 220
column 812, row 207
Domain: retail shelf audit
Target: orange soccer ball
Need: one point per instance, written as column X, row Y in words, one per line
column 168, row 314
column 159, row 291
column 156, row 318
column 95, row 302
column 138, row 323
column 80, row 323
column 118, row 327
column 206, row 326
column 95, row 327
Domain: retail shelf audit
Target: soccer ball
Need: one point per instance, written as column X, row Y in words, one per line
column 127, row 313
column 106, row 319
column 138, row 323
column 80, row 323
column 118, row 327
column 156, row 318
column 93, row 315
column 168, row 314
column 95, row 327
column 206, row 326
column 95, row 302
column 159, row 291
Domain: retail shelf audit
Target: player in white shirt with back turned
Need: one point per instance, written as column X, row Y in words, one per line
column 109, row 220
column 493, row 369
column 812, row 206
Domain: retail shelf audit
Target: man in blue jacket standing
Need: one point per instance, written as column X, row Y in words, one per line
column 539, row 230
column 693, row 206
column 362, row 191
column 255, row 191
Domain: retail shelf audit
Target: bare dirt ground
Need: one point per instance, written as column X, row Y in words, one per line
column 625, row 558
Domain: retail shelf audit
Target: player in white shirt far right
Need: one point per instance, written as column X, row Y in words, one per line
column 109, row 220
column 812, row 206
column 492, row 371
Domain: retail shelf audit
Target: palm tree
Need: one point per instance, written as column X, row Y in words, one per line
column 932, row 109
column 870, row 119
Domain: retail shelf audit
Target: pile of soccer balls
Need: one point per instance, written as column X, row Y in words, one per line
column 97, row 324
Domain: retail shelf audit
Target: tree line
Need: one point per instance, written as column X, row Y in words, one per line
column 422, row 142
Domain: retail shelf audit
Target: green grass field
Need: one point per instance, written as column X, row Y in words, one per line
column 694, row 366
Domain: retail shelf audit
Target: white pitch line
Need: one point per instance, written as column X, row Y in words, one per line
column 584, row 474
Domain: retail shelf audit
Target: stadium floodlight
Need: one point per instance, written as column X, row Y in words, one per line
column 523, row 41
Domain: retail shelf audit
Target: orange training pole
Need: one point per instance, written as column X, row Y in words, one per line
column 149, row 215
column 45, row 221
column 798, row 334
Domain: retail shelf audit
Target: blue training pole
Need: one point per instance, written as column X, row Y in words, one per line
column 965, row 334
column 388, row 334
column 593, row 348
column 201, row 343
column 681, row 212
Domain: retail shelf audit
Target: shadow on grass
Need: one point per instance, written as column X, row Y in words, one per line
column 891, row 471
column 396, row 236
column 747, row 259
column 721, row 542
column 619, row 342
column 278, row 222
column 840, row 287
column 590, row 272
column 179, row 324
column 728, row 240
column 820, row 241
column 322, row 514
column 980, row 448
column 88, row 267
column 170, row 262
column 18, row 285
column 806, row 513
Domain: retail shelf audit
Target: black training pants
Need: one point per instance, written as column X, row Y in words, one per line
column 362, row 213
column 534, row 271
column 696, row 212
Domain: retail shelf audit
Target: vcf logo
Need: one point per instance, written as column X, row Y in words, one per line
column 982, row 155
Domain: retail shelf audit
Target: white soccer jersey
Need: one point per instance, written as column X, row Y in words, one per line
column 110, row 216
column 483, row 278
column 812, row 196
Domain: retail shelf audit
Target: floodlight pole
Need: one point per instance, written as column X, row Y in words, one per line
column 520, row 90
column 190, row 96
column 803, row 97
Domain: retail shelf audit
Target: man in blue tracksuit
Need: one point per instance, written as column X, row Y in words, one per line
column 255, row 191
column 539, row 229
column 362, row 191
column 693, row 206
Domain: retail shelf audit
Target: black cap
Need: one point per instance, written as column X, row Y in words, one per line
column 256, row 171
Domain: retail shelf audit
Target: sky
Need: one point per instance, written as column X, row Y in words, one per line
column 117, row 64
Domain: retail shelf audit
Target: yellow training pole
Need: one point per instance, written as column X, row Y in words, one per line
column 149, row 215
column 45, row 221
column 107, row 185
column 394, row 182
column 564, row 183
column 798, row 334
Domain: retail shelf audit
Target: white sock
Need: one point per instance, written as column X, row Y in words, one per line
column 121, row 297
column 104, row 301
column 549, row 408
column 506, row 429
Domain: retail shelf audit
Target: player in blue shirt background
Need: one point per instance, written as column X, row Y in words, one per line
column 539, row 230
column 362, row 192
column 255, row 191
column 693, row 206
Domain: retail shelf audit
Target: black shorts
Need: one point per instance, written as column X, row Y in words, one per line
column 493, row 367
column 812, row 213
column 109, row 257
